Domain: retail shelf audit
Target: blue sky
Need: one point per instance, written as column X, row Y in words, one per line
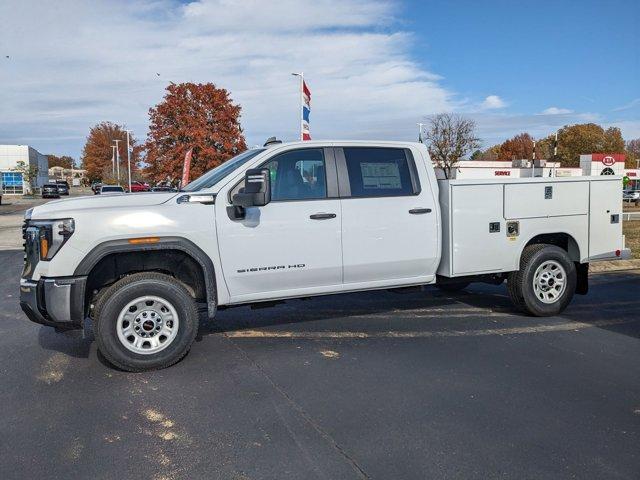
column 375, row 67
column 583, row 56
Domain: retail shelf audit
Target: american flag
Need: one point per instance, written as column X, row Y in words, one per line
column 306, row 110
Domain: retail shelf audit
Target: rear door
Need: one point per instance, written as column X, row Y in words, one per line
column 389, row 222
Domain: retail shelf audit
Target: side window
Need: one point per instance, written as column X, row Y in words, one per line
column 379, row 172
column 296, row 175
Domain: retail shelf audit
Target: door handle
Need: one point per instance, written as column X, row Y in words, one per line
column 419, row 211
column 322, row 216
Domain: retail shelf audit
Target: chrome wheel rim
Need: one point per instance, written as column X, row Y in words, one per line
column 549, row 281
column 147, row 325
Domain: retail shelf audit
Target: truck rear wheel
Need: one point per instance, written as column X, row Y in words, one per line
column 546, row 281
column 145, row 321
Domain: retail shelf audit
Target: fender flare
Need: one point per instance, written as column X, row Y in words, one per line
column 569, row 235
column 99, row 252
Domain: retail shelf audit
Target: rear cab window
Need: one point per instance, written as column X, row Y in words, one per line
column 379, row 172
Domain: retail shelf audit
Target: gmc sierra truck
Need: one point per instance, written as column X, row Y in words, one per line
column 302, row 219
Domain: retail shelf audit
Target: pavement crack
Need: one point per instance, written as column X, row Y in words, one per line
column 303, row 414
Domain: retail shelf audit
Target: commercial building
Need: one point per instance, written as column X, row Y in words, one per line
column 74, row 176
column 13, row 181
column 592, row 164
column 610, row 164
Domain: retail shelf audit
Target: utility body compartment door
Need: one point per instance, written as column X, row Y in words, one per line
column 605, row 218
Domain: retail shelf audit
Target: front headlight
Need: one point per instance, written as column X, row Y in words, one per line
column 52, row 235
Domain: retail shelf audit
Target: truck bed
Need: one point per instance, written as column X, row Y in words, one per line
column 486, row 223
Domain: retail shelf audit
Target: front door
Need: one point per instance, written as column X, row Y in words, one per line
column 291, row 246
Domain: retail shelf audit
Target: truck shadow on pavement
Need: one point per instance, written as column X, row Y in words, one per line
column 612, row 304
column 614, row 300
column 71, row 343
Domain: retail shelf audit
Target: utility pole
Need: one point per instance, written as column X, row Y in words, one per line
column 118, row 159
column 301, row 75
column 129, row 159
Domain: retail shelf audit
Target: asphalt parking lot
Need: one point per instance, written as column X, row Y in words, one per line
column 377, row 385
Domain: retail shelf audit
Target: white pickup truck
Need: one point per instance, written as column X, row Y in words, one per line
column 302, row 219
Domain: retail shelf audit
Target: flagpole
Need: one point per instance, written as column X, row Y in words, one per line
column 300, row 112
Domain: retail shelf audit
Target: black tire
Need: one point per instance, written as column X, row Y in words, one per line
column 452, row 287
column 520, row 284
column 111, row 302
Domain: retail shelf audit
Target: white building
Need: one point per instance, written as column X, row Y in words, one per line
column 513, row 169
column 592, row 164
column 74, row 176
column 13, row 182
column 609, row 164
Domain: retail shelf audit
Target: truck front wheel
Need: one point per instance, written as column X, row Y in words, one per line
column 546, row 281
column 145, row 321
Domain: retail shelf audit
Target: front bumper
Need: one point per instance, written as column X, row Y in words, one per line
column 56, row 302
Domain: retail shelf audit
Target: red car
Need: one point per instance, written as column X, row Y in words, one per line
column 139, row 187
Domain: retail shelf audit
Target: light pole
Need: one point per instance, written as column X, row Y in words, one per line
column 118, row 159
column 113, row 160
column 129, row 159
column 301, row 75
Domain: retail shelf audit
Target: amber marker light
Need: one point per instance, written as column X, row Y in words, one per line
column 143, row 240
column 44, row 247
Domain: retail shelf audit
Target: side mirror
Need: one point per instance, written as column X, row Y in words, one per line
column 256, row 192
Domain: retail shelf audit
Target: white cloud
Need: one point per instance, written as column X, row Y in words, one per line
column 75, row 63
column 633, row 103
column 493, row 102
column 556, row 111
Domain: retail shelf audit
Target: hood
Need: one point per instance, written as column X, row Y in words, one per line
column 57, row 208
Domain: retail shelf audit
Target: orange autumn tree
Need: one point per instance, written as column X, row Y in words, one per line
column 516, row 148
column 193, row 116
column 97, row 152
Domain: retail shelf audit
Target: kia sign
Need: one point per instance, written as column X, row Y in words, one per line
column 608, row 161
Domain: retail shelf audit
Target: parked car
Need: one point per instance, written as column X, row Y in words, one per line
column 63, row 187
column 139, row 187
column 301, row 219
column 164, row 188
column 111, row 189
column 631, row 196
column 50, row 190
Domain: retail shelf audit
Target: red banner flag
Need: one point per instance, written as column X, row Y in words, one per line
column 186, row 168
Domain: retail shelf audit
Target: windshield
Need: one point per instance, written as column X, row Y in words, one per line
column 213, row 176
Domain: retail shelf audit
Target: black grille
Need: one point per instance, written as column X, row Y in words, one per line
column 25, row 225
column 31, row 251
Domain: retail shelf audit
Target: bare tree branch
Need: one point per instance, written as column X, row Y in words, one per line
column 450, row 138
